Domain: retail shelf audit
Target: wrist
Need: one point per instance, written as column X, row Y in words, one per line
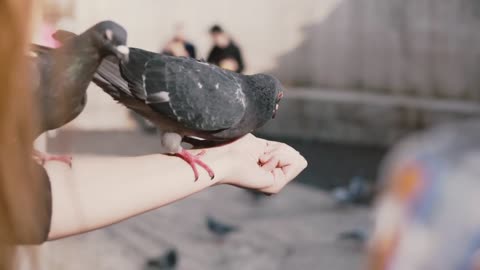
column 221, row 166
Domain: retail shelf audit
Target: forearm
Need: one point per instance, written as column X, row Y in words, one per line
column 101, row 191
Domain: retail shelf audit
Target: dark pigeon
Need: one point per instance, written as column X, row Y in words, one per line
column 61, row 76
column 166, row 261
column 219, row 229
column 189, row 99
column 358, row 191
column 357, row 236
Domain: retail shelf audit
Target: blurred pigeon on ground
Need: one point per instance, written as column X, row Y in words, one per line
column 358, row 191
column 219, row 229
column 61, row 76
column 167, row 261
column 191, row 100
column 357, row 235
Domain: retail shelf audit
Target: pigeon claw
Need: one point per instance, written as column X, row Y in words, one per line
column 43, row 158
column 193, row 161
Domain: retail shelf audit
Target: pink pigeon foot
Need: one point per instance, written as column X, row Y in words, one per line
column 193, row 161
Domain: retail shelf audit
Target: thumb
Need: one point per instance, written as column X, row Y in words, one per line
column 278, row 182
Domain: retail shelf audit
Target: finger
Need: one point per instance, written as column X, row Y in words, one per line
column 293, row 169
column 285, row 174
column 275, row 159
column 271, row 164
column 278, row 182
column 287, row 156
column 265, row 158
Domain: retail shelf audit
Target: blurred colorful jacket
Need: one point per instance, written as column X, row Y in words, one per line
column 428, row 216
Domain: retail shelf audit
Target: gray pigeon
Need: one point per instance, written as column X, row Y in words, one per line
column 167, row 261
column 220, row 229
column 61, row 76
column 190, row 99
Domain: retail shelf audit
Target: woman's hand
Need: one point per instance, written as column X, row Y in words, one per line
column 284, row 163
column 255, row 163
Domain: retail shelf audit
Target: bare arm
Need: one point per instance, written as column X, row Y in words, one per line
column 101, row 191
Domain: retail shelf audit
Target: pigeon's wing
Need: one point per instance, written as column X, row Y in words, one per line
column 120, row 79
column 41, row 63
column 41, row 56
column 123, row 82
column 199, row 96
column 123, row 79
column 109, row 78
column 134, row 69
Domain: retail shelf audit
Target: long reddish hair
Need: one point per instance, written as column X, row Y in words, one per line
column 17, row 190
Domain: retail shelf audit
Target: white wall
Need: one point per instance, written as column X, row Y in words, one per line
column 411, row 47
column 264, row 29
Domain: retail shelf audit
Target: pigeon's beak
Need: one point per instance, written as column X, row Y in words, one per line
column 122, row 53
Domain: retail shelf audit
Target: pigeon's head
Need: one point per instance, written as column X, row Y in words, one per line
column 269, row 92
column 111, row 39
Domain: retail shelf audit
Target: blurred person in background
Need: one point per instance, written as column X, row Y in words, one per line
column 178, row 45
column 40, row 203
column 225, row 53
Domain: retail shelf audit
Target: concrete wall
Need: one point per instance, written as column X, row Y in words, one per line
column 361, row 118
column 413, row 47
